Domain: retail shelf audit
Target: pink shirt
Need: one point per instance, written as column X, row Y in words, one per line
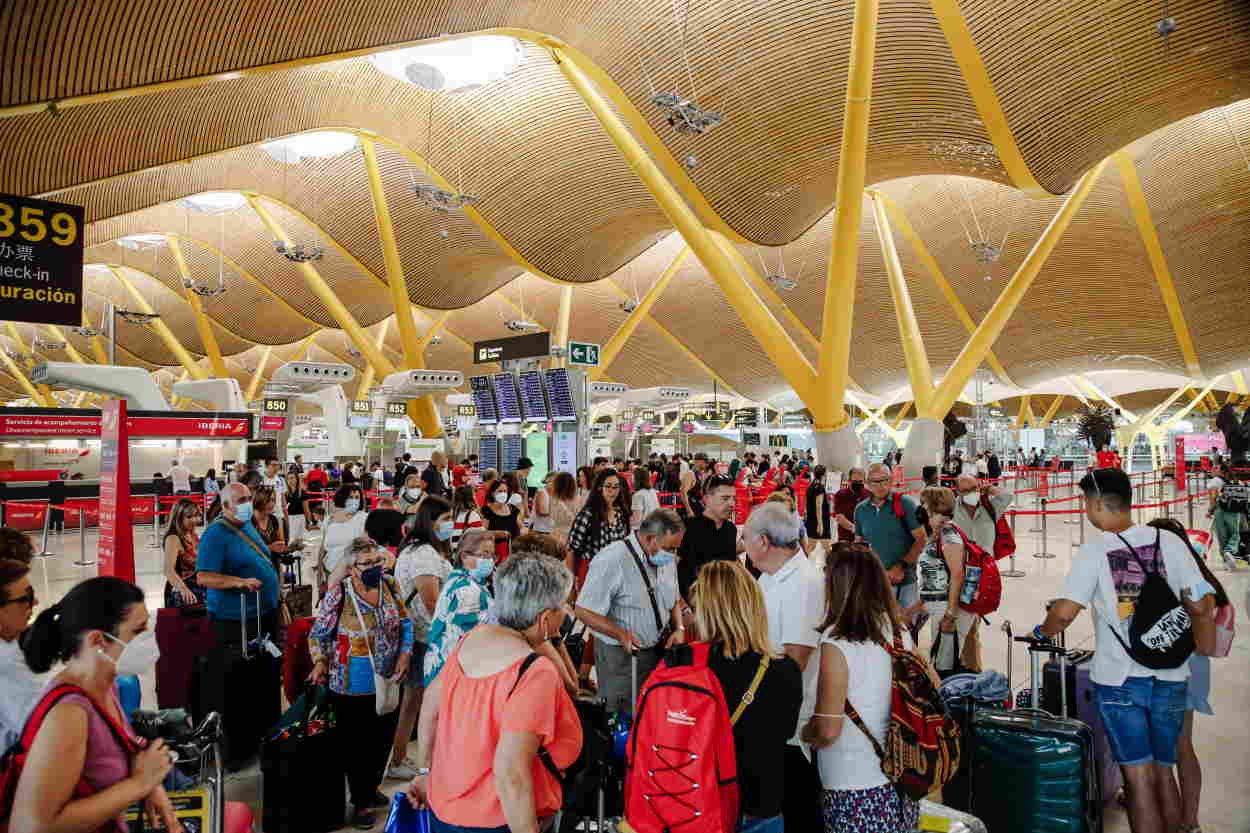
column 107, row 763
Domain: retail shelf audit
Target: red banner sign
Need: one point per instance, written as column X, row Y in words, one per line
column 17, row 423
column 116, row 553
column 272, row 423
column 29, row 475
column 1181, row 485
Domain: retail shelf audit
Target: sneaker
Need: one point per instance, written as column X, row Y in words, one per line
column 363, row 819
column 403, row 769
column 1230, row 562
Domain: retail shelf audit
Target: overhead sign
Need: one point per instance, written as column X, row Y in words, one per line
column 396, row 409
column 361, row 406
column 528, row 346
column 64, row 422
column 796, row 419
column 40, row 261
column 746, row 417
column 272, row 423
column 466, row 410
column 115, row 550
column 750, row 439
column 275, row 406
column 778, row 441
column 583, row 353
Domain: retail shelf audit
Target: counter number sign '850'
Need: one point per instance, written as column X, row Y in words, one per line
column 41, row 253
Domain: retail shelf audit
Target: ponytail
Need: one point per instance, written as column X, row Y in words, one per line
column 99, row 604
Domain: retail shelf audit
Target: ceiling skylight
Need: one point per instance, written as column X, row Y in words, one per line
column 215, row 202
column 139, row 242
column 454, row 64
column 320, row 144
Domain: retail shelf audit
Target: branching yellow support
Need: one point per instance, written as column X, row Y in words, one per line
column 366, row 381
column 207, row 336
column 902, row 412
column 1024, row 411
column 617, row 343
column 562, row 322
column 390, row 253
column 162, row 329
column 57, row 334
column 254, row 386
column 31, row 391
column 1051, row 411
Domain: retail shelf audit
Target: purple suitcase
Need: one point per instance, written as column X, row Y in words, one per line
column 1082, row 706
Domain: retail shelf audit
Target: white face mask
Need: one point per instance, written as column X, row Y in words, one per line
column 501, row 497
column 138, row 656
column 971, row 499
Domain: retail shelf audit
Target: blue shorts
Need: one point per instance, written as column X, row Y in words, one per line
column 1143, row 719
column 1200, row 684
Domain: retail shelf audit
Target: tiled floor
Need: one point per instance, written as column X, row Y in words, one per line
column 1222, row 741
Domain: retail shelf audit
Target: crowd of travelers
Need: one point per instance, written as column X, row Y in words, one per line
column 446, row 610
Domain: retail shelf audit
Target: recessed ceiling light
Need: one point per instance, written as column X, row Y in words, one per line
column 215, row 202
column 452, row 65
column 138, row 242
column 320, row 144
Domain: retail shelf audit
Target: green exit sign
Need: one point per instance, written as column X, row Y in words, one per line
column 583, row 354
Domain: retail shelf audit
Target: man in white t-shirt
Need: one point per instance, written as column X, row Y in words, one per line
column 275, row 480
column 181, row 477
column 1143, row 709
column 794, row 597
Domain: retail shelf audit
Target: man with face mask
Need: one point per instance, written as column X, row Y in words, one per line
column 630, row 599
column 234, row 564
column 844, row 502
column 977, row 510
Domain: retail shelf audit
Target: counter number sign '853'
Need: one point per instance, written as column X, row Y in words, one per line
column 41, row 253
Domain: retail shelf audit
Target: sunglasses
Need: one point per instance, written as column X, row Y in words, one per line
column 27, row 598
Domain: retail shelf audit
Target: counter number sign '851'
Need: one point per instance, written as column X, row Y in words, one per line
column 41, row 251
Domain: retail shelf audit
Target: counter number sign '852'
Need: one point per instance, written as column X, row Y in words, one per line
column 41, row 252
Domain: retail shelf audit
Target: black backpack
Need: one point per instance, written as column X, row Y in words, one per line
column 1160, row 636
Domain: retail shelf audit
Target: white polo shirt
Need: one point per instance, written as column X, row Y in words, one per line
column 794, row 598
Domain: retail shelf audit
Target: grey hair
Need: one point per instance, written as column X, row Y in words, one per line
column 231, row 492
column 362, row 543
column 879, row 467
column 527, row 584
column 469, row 542
column 775, row 522
column 854, row 471
column 661, row 522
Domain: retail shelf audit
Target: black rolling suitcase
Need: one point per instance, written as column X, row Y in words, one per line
column 1032, row 771
column 303, row 783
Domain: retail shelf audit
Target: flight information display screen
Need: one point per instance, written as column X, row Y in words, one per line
column 561, row 395
column 533, row 403
column 483, row 400
column 510, row 451
column 507, row 398
column 488, row 453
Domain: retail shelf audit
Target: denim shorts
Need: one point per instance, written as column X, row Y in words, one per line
column 1200, row 684
column 1143, row 719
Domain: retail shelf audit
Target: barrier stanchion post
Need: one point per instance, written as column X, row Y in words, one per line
column 1189, row 499
column 1013, row 572
column 1044, row 553
column 82, row 540
column 1081, row 539
column 156, row 522
column 1039, row 501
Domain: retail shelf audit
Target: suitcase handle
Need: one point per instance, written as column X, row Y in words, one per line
column 1041, row 647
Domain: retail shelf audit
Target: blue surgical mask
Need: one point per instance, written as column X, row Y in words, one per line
column 485, row 566
column 443, row 530
column 662, row 558
column 372, row 576
column 243, row 512
column 352, row 505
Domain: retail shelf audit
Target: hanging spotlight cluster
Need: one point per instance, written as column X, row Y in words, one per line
column 436, row 339
column 986, row 251
column 683, row 116
column 440, row 199
column 207, row 291
column 297, row 252
column 85, row 332
column 782, row 282
column 141, row 318
column 49, row 345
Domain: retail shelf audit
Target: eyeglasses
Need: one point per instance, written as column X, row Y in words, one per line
column 613, row 486
column 27, row 598
column 878, row 481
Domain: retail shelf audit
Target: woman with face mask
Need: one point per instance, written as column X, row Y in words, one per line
column 941, row 575
column 464, row 601
column 494, row 706
column 345, row 524
column 85, row 765
column 423, row 565
column 502, row 517
column 362, row 624
column 411, row 495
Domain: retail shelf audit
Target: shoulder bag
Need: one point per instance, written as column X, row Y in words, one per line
column 385, row 692
column 666, row 630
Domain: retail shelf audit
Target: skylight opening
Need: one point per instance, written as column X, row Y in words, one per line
column 214, row 202
column 140, row 242
column 319, row 144
column 453, row 65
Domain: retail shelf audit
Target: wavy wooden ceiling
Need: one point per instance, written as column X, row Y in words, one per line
column 1076, row 83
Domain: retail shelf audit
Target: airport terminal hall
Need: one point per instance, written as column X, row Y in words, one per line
column 654, row 416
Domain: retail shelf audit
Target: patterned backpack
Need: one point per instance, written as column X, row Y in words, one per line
column 921, row 750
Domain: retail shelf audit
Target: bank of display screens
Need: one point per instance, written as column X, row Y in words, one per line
column 483, row 401
column 533, row 403
column 506, row 398
column 488, row 453
column 750, row 439
column 510, row 451
column 778, row 441
column 561, row 394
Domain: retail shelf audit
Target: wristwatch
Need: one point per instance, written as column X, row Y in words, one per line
column 423, row 771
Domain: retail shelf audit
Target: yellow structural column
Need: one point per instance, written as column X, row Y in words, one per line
column 772, row 337
column 346, row 321
column 615, row 344
column 57, row 334
column 1098, row 392
column 562, row 322
column 390, row 253
column 366, row 381
column 1051, row 411
column 1024, row 411
column 162, row 329
column 45, row 392
column 979, row 345
column 902, row 412
column 914, row 353
column 838, row 314
column 207, row 336
column 31, row 390
column 1184, row 412
column 254, row 386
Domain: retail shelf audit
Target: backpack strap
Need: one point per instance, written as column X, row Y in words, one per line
column 989, row 507
column 749, row 697
column 900, row 512
column 655, row 607
column 859, row 723
column 543, row 754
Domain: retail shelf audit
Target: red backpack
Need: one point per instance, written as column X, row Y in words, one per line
column 681, row 771
column 14, row 759
column 983, row 584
